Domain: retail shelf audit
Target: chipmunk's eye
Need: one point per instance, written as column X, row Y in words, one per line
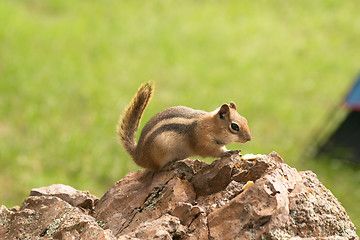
column 234, row 126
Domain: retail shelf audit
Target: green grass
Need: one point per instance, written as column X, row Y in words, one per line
column 69, row 68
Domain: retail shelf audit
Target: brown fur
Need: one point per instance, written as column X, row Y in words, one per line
column 130, row 121
column 178, row 132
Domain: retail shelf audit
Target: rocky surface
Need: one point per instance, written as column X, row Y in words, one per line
column 55, row 212
column 250, row 197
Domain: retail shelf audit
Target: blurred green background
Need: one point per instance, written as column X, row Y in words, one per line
column 69, row 68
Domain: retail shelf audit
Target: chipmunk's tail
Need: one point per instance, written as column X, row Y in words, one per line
column 129, row 122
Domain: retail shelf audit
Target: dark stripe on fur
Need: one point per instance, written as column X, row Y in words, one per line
column 183, row 129
column 169, row 113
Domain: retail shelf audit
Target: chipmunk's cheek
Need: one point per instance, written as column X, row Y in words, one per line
column 240, row 140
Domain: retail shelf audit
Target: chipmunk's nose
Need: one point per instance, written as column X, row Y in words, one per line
column 248, row 137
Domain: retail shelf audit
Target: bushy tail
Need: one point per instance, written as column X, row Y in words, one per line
column 129, row 122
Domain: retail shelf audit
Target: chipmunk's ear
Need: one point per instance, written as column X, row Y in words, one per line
column 232, row 105
column 223, row 111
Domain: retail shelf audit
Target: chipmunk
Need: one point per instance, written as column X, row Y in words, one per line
column 179, row 132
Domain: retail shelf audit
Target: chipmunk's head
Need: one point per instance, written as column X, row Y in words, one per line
column 234, row 127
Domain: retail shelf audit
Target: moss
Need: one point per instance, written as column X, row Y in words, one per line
column 3, row 220
column 100, row 223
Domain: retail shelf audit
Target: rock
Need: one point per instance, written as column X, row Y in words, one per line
column 49, row 217
column 250, row 197
column 211, row 202
column 165, row 227
column 76, row 198
column 143, row 197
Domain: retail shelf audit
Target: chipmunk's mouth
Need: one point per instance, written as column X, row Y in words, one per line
column 244, row 138
column 217, row 141
column 248, row 137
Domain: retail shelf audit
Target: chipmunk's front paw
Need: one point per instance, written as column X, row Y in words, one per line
column 231, row 152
